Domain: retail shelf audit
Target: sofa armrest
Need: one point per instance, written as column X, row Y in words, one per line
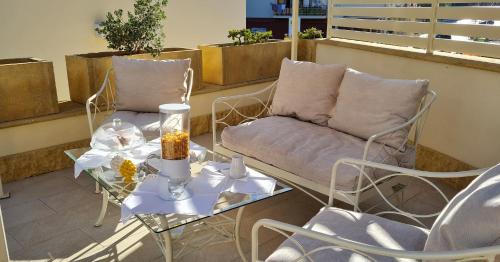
column 485, row 253
column 226, row 111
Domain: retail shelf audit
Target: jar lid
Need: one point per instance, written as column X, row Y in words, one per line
column 174, row 108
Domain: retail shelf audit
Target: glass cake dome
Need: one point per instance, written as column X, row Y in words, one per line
column 117, row 136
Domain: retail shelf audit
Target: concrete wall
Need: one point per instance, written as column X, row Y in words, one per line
column 50, row 29
column 463, row 123
column 259, row 8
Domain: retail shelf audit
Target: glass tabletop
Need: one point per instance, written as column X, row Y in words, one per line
column 158, row 223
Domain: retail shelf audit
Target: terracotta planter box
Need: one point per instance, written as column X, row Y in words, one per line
column 226, row 64
column 307, row 50
column 86, row 72
column 27, row 89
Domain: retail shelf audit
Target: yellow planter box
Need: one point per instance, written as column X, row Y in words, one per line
column 27, row 89
column 86, row 72
column 226, row 64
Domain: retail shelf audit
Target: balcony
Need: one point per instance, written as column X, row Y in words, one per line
column 50, row 215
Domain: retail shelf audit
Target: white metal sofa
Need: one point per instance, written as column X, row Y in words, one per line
column 226, row 109
column 467, row 229
column 101, row 107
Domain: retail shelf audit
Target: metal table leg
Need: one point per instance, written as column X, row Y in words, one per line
column 104, row 208
column 168, row 253
column 237, row 233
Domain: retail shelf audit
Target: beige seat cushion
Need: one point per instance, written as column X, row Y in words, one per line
column 143, row 85
column 359, row 227
column 368, row 104
column 472, row 218
column 148, row 123
column 304, row 149
column 307, row 90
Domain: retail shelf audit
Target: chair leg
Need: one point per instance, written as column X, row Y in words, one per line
column 2, row 194
column 97, row 188
column 104, row 207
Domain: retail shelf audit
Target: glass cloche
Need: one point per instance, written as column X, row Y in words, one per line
column 117, row 136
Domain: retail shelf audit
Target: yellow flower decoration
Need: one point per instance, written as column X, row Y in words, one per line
column 127, row 170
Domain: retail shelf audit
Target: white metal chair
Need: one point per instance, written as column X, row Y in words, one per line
column 103, row 102
column 333, row 241
column 224, row 109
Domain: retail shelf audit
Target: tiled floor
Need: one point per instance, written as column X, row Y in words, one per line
column 50, row 217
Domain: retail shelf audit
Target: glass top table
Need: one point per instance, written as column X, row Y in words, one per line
column 159, row 223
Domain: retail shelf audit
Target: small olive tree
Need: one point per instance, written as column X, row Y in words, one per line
column 142, row 31
column 246, row 36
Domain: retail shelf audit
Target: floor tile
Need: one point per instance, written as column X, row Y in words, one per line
column 66, row 200
column 112, row 230
column 139, row 246
column 49, row 227
column 25, row 213
column 36, row 187
column 74, row 244
column 12, row 244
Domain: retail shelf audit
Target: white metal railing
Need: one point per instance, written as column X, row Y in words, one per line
column 460, row 26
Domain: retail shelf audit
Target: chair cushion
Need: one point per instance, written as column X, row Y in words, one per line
column 143, row 85
column 359, row 227
column 307, row 90
column 304, row 149
column 148, row 123
column 368, row 104
column 472, row 218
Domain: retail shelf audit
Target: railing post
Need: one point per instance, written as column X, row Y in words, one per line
column 295, row 29
column 432, row 31
column 329, row 19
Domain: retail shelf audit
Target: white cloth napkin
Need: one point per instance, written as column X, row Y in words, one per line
column 254, row 183
column 95, row 158
column 205, row 190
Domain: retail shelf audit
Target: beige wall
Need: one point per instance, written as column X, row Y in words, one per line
column 45, row 134
column 464, row 122
column 50, row 29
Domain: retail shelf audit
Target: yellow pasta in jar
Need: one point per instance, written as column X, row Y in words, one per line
column 175, row 146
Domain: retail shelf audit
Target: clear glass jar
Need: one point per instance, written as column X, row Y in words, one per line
column 174, row 136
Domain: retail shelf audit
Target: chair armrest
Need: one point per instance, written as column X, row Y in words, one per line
column 394, row 171
column 232, row 103
column 364, row 249
column 190, row 80
column 93, row 106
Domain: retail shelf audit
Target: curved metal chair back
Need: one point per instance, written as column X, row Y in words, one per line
column 104, row 99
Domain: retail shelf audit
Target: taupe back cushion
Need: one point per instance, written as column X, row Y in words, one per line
column 369, row 104
column 307, row 90
column 472, row 218
column 143, row 85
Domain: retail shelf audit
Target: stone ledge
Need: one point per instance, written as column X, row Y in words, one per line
column 476, row 62
column 66, row 109
column 37, row 162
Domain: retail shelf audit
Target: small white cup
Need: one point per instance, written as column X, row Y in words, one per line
column 238, row 169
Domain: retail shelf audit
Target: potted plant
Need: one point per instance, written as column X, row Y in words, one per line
column 27, row 88
column 251, row 56
column 138, row 35
column 307, row 44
